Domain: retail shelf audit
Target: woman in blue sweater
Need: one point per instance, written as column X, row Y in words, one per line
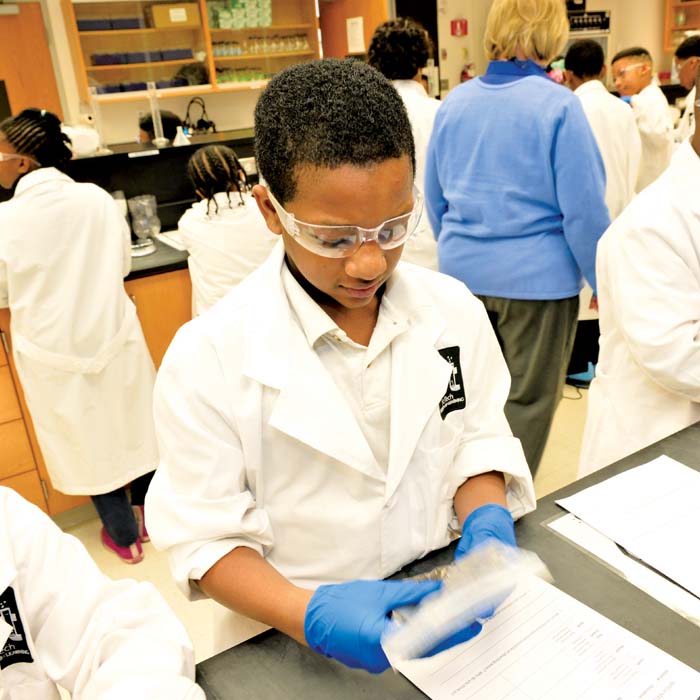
column 515, row 191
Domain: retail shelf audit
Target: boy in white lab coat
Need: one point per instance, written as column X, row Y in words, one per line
column 612, row 122
column 338, row 414
column 632, row 71
column 647, row 384
column 687, row 59
column 64, row 622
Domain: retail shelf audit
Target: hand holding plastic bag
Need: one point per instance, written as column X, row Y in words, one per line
column 346, row 621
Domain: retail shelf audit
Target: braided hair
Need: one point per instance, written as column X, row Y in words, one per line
column 214, row 169
column 37, row 133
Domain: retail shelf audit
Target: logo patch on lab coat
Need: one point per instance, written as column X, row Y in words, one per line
column 16, row 649
column 454, row 399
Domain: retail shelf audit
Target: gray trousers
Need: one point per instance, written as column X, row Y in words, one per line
column 536, row 338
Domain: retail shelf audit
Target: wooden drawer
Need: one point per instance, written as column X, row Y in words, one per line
column 27, row 485
column 16, row 454
column 9, row 406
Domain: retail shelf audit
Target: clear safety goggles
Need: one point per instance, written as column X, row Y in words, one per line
column 342, row 241
column 15, row 156
column 627, row 69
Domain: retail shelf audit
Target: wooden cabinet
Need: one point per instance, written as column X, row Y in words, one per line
column 682, row 20
column 163, row 303
column 22, row 465
column 186, row 48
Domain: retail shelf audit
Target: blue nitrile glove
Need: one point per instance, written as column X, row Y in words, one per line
column 345, row 621
column 487, row 522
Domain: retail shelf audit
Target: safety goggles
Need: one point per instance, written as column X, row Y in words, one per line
column 342, row 241
column 15, row 156
column 624, row 71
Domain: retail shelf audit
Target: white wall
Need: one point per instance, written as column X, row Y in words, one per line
column 634, row 23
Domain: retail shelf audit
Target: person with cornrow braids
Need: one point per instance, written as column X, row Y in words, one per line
column 224, row 232
column 77, row 342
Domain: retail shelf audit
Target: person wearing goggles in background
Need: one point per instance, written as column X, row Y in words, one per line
column 687, row 59
column 338, row 414
column 633, row 76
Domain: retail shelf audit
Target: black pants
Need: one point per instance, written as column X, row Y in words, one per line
column 536, row 338
column 115, row 510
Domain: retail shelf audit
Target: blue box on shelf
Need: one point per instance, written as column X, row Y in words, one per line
column 105, row 89
column 176, row 54
column 127, row 23
column 153, row 56
column 107, row 59
column 136, row 57
column 93, row 25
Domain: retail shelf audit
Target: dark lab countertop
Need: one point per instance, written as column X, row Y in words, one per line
column 237, row 136
column 165, row 259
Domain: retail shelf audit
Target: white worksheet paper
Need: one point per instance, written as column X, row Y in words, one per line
column 653, row 512
column 544, row 645
column 638, row 574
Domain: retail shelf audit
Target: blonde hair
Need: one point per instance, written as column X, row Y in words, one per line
column 538, row 28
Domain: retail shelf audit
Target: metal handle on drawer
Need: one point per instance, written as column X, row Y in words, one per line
column 5, row 344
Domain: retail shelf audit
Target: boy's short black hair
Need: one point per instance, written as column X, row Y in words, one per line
column 170, row 122
column 634, row 51
column 326, row 114
column 585, row 59
column 399, row 48
column 689, row 47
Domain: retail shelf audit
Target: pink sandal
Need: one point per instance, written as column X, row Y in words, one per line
column 129, row 555
column 140, row 515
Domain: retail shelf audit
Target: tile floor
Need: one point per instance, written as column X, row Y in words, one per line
column 558, row 468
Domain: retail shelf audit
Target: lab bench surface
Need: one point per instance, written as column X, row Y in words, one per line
column 165, row 259
column 272, row 665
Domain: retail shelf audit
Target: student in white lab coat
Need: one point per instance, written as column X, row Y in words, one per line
column 687, row 58
column 77, row 343
column 400, row 49
column 338, row 414
column 647, row 384
column 612, row 122
column 62, row 621
column 224, row 232
column 632, row 71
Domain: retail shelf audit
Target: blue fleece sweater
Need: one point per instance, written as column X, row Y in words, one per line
column 515, row 186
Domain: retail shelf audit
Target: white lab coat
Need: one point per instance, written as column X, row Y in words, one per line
column 686, row 126
column 647, row 383
column 77, row 342
column 615, row 130
column 67, row 623
column 421, row 248
column 260, row 449
column 224, row 246
column 655, row 125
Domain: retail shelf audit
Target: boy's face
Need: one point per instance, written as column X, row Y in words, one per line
column 346, row 195
column 631, row 75
column 686, row 68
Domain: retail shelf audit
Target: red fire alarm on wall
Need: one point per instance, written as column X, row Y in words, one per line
column 459, row 27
